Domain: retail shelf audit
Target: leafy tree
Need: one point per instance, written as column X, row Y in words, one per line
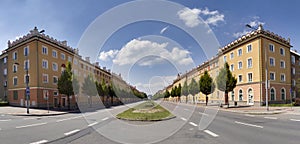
column 226, row 82
column 167, row 94
column 206, row 85
column 100, row 91
column 185, row 90
column 178, row 92
column 193, row 88
column 64, row 84
column 89, row 88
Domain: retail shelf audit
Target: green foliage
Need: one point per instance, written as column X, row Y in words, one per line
column 185, row 89
column 89, row 87
column 193, row 88
column 167, row 94
column 206, row 84
column 178, row 91
column 226, row 82
column 64, row 84
column 76, row 86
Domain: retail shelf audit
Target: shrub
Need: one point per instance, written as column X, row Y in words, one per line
column 297, row 102
column 3, row 103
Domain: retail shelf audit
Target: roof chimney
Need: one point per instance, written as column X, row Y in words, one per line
column 64, row 43
column 87, row 59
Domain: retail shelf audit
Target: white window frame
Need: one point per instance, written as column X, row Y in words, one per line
column 56, row 79
column 284, row 93
column 231, row 55
column 69, row 58
column 224, row 58
column 293, row 59
column 25, row 78
column 27, row 47
column 54, row 63
column 238, row 54
column 294, row 82
column 282, row 61
column 251, row 77
column 54, row 52
column 15, row 55
column 293, row 70
column 283, row 54
column 274, row 93
column 15, row 68
column 240, row 80
column 46, row 49
column 5, row 71
column 282, row 74
column 274, row 63
column 248, row 48
column 240, row 94
column 15, row 84
column 47, row 78
column 62, row 56
column 5, row 60
column 27, row 65
column 46, row 61
column 232, row 67
column 270, row 44
column 240, row 66
column 248, row 62
column 55, row 93
column 274, row 76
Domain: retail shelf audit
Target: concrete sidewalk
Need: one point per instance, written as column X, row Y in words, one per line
column 20, row 111
column 258, row 110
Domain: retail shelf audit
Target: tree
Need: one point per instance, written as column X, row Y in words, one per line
column 178, row 92
column 89, row 88
column 185, row 90
column 206, row 85
column 100, row 91
column 226, row 82
column 64, row 84
column 76, row 88
column 167, row 94
column 193, row 88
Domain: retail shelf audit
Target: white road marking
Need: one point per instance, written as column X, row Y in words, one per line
column 211, row 133
column 92, row 124
column 203, row 113
column 68, row 118
column 295, row 120
column 247, row 124
column 191, row 129
column 31, row 118
column 37, row 124
column 186, row 109
column 71, row 132
column 183, row 119
column 2, row 115
column 105, row 119
column 193, row 124
column 39, row 142
column 271, row 118
column 5, row 120
column 0, row 129
column 248, row 115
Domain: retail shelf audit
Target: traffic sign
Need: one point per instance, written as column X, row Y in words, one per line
column 27, row 91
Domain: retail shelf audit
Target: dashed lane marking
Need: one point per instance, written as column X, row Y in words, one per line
column 274, row 118
column 5, row 120
column 92, row 124
column 105, row 118
column 37, row 124
column 248, row 115
column 39, row 142
column 71, row 132
column 68, row 118
column 193, row 124
column 183, row 119
column 247, row 124
column 211, row 133
column 297, row 120
column 203, row 114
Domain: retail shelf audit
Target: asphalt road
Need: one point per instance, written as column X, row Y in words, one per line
column 191, row 125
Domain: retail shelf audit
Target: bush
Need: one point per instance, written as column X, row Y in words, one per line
column 297, row 102
column 3, row 103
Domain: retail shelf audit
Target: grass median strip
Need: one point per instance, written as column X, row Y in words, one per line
column 147, row 111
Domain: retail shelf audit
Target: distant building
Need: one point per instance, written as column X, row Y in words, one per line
column 3, row 76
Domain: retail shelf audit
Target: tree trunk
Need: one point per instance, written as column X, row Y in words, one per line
column 226, row 99
column 69, row 103
column 194, row 99
column 186, row 99
column 206, row 100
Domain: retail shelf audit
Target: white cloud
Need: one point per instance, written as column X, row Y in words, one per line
column 147, row 53
column 239, row 34
column 105, row 56
column 191, row 16
column 164, row 29
column 255, row 22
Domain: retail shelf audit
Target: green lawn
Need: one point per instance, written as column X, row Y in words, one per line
column 280, row 105
column 147, row 111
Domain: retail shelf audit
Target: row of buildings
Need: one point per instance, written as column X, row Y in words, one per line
column 42, row 59
column 256, row 58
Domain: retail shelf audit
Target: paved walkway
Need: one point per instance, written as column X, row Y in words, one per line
column 20, row 111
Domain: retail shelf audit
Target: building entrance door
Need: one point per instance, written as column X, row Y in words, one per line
column 250, row 97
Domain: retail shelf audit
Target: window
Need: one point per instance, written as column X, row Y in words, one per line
column 26, row 51
column 232, row 95
column 231, row 67
column 55, row 79
column 55, row 93
column 15, row 68
column 62, row 56
column 231, row 55
column 272, row 76
column 240, row 52
column 271, row 48
column 294, row 82
column 45, row 78
column 249, row 48
column 5, row 71
column 249, row 63
column 293, row 71
column 5, row 60
column 282, row 77
column 44, row 50
column 282, row 94
column 5, row 83
column 225, row 58
column 240, row 65
column 240, row 95
column 240, row 78
column 249, row 77
column 75, row 61
column 15, row 95
column 45, row 64
column 282, row 52
column 15, row 81
column 54, row 67
column 273, row 94
column 272, row 62
column 15, row 55
column 26, row 64
column 69, row 59
column 293, row 59
column 54, row 53
column 282, row 64
column 27, row 78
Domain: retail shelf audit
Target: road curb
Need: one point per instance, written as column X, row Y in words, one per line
column 257, row 113
column 55, row 114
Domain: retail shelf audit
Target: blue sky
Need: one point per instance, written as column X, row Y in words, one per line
column 165, row 48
